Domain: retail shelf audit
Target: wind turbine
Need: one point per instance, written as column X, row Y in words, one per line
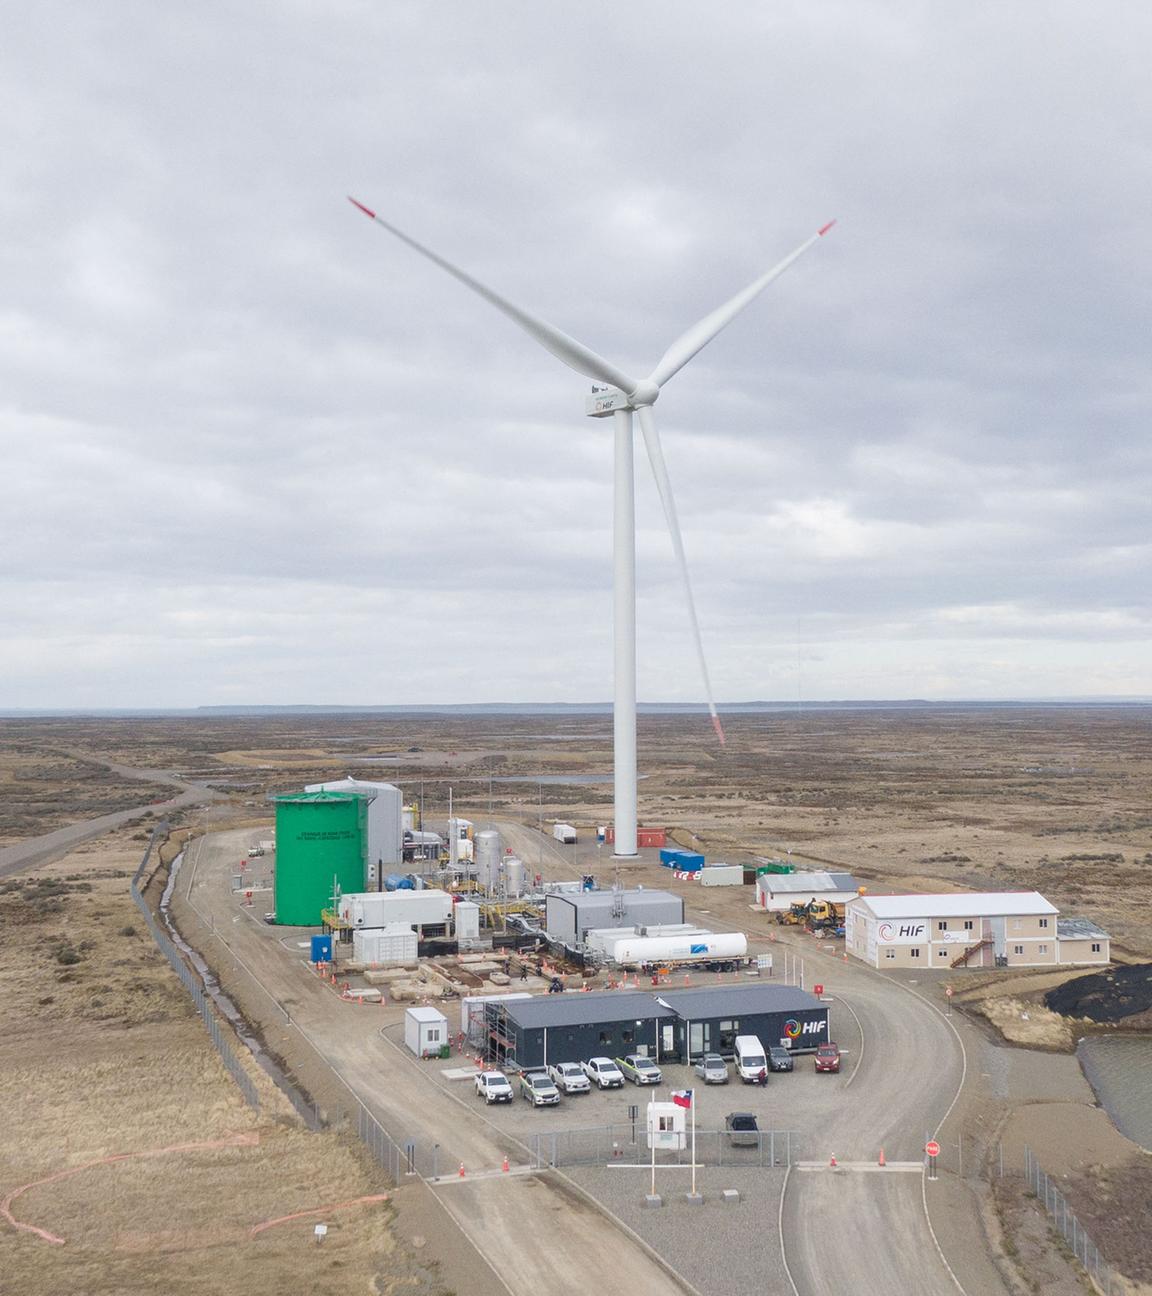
column 620, row 396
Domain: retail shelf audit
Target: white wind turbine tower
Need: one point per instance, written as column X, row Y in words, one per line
column 621, row 396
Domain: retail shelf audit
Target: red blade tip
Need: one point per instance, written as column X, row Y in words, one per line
column 369, row 212
column 819, row 233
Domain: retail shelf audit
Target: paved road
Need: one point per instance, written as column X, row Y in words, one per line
column 506, row 1219
column 852, row 1229
column 41, row 850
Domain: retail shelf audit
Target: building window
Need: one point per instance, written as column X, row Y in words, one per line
column 914, row 952
column 890, row 953
column 1041, row 949
column 967, row 924
column 605, row 1037
column 1017, row 924
column 1043, row 922
column 626, row 1037
column 1017, row 949
column 1096, row 949
column 941, row 926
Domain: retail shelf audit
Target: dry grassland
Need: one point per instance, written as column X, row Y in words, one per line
column 104, row 1056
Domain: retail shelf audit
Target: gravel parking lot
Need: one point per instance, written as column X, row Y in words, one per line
column 796, row 1100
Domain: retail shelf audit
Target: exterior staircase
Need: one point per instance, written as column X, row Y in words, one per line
column 961, row 960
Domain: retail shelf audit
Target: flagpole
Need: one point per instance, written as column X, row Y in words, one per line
column 693, row 1097
column 652, row 1144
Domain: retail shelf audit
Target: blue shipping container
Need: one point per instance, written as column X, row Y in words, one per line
column 321, row 949
column 669, row 855
column 689, row 862
column 398, row 882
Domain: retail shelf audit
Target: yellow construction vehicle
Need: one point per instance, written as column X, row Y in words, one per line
column 826, row 916
column 794, row 916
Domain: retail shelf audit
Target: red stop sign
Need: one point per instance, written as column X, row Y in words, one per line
column 932, row 1148
column 817, row 990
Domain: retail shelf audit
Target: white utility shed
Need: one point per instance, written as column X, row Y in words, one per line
column 425, row 1031
column 777, row 892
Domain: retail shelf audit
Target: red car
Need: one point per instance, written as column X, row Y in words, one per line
column 828, row 1058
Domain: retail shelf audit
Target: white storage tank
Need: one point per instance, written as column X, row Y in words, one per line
column 425, row 1031
column 383, row 849
column 374, row 946
column 467, row 920
column 513, row 877
column 681, row 949
column 489, row 850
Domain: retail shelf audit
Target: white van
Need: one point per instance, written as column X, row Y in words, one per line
column 751, row 1058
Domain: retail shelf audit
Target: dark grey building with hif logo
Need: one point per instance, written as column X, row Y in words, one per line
column 669, row 1024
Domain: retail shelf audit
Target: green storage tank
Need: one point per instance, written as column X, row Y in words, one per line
column 319, row 838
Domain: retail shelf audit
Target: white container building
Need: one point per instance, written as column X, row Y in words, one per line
column 565, row 833
column 419, row 909
column 721, row 875
column 377, row 946
column 425, row 1031
column 777, row 892
column 472, row 1022
column 383, row 851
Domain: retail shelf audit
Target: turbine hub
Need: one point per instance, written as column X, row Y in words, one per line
column 644, row 393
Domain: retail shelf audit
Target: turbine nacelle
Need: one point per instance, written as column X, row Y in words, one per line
column 606, row 400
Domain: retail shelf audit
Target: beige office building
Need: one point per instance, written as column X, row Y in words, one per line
column 980, row 929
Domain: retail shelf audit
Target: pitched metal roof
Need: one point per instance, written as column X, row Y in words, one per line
column 795, row 883
column 960, row 904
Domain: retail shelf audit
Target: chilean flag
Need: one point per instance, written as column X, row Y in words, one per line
column 682, row 1097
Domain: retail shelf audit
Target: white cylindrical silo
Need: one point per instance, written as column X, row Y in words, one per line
column 489, row 849
column 513, row 877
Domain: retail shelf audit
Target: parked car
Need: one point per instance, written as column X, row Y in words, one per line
column 537, row 1088
column 569, row 1078
column 828, row 1057
column 639, row 1069
column 493, row 1087
column 604, row 1072
column 712, row 1069
column 742, row 1129
column 779, row 1059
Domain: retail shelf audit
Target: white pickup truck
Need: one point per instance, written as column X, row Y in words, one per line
column 569, row 1078
column 604, row 1072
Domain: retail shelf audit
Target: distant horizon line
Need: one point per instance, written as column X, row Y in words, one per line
column 575, row 708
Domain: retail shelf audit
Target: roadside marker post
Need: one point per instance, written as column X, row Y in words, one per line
column 932, row 1148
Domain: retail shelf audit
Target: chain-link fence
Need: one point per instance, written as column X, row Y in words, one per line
column 1072, row 1231
column 627, row 1142
column 216, row 1032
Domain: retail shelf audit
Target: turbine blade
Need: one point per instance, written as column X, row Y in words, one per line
column 699, row 335
column 664, row 486
column 574, row 354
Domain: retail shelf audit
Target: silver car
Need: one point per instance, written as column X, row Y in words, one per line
column 712, row 1069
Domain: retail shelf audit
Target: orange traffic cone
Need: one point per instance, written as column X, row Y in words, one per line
column 882, row 1161
column 504, row 1166
column 831, row 1164
column 461, row 1169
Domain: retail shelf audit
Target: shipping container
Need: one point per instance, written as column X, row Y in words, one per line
column 466, row 918
column 564, row 833
column 375, row 946
column 425, row 908
column 722, row 875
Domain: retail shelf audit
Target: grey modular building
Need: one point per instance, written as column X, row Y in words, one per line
column 675, row 1025
column 568, row 917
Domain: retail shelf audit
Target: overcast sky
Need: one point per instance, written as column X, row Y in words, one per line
column 255, row 450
